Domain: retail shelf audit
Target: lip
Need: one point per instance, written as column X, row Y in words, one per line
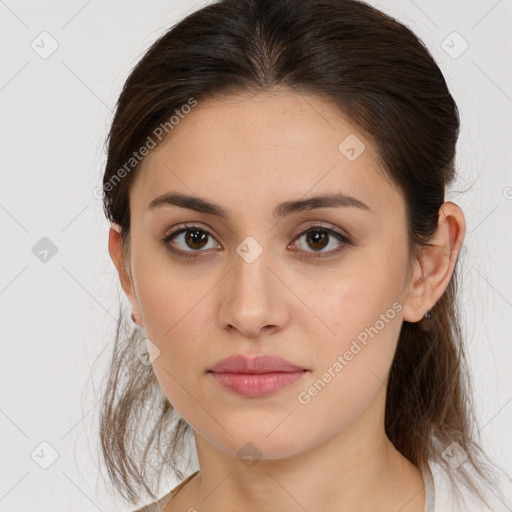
column 258, row 376
column 260, row 364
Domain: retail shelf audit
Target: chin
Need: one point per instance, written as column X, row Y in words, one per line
column 256, row 445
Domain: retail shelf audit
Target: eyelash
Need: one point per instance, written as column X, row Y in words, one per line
column 183, row 228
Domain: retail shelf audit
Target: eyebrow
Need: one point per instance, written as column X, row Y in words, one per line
column 198, row 204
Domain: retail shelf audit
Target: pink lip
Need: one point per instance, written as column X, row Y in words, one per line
column 258, row 376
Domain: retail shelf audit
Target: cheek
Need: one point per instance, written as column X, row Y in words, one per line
column 170, row 297
column 351, row 372
column 351, row 305
column 354, row 350
column 180, row 366
column 172, row 311
column 352, row 292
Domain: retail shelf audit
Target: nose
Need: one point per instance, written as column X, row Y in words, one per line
column 253, row 298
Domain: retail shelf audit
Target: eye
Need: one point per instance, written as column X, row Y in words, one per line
column 320, row 237
column 193, row 239
column 190, row 236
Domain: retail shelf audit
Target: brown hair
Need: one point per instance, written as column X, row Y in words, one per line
column 383, row 78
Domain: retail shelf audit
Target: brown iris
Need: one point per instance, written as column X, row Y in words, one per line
column 196, row 236
column 315, row 238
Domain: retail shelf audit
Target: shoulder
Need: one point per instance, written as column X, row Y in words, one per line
column 444, row 500
column 159, row 505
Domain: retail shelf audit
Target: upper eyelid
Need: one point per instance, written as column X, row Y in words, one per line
column 190, row 225
column 315, row 224
column 318, row 224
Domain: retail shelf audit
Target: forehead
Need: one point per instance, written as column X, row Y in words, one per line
column 271, row 146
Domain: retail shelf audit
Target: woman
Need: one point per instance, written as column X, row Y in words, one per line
column 275, row 181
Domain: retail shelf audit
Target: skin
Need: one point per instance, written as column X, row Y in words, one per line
column 247, row 154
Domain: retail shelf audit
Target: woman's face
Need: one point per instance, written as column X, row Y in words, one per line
column 253, row 281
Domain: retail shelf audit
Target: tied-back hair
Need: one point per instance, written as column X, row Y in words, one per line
column 383, row 79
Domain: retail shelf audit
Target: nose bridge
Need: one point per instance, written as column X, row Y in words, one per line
column 251, row 278
column 252, row 298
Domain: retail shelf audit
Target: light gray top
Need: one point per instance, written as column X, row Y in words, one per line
column 159, row 506
column 428, row 482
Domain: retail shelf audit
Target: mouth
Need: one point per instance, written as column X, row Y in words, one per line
column 258, row 376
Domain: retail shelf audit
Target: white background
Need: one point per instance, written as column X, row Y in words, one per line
column 57, row 316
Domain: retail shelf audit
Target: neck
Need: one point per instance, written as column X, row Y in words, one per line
column 356, row 469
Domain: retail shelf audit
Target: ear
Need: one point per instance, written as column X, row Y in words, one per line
column 432, row 273
column 115, row 249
